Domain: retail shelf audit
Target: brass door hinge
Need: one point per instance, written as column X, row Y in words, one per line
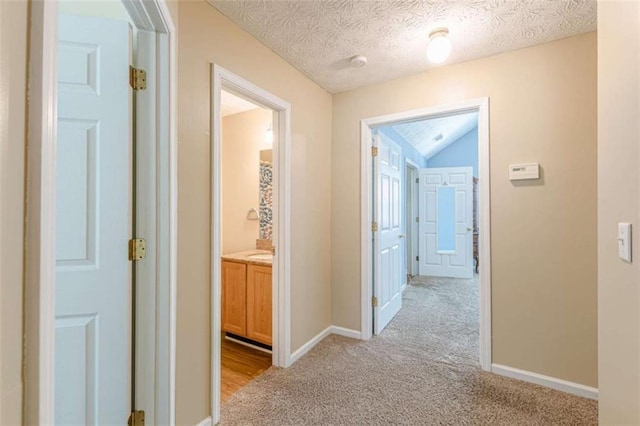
column 374, row 226
column 137, row 78
column 417, row 180
column 374, row 151
column 418, row 219
column 273, row 250
column 374, row 302
column 417, row 258
column 137, row 249
column 136, row 418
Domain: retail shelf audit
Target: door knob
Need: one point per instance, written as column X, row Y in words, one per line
column 401, row 236
column 468, row 229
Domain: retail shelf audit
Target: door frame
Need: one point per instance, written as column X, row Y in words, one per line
column 480, row 105
column 411, row 230
column 40, row 238
column 281, row 292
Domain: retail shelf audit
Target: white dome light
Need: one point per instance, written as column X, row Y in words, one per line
column 439, row 47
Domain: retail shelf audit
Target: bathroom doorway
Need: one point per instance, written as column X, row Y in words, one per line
column 249, row 240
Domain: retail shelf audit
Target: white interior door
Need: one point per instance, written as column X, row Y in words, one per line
column 446, row 222
column 388, row 240
column 93, row 223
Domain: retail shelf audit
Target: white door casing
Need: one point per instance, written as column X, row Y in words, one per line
column 281, row 290
column 93, row 223
column 456, row 261
column 411, row 213
column 388, row 240
column 367, row 184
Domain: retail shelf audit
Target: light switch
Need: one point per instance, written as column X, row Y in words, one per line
column 624, row 241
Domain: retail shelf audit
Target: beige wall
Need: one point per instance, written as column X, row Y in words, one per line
column 13, row 69
column 618, row 195
column 206, row 36
column 542, row 108
column 243, row 136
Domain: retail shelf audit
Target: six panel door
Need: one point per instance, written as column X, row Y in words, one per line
column 93, row 223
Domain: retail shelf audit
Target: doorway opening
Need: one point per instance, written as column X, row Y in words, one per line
column 425, row 200
column 247, row 241
column 250, row 230
column 100, row 329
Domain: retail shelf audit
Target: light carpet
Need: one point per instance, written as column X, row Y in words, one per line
column 421, row 370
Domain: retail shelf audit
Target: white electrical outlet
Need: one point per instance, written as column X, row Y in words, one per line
column 624, row 241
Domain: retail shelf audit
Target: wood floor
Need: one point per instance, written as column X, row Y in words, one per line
column 240, row 365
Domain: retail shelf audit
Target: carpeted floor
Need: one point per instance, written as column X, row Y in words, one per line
column 421, row 370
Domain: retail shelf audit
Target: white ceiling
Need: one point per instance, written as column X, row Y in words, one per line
column 318, row 37
column 433, row 135
column 232, row 104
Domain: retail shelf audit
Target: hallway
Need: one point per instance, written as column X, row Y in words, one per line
column 422, row 369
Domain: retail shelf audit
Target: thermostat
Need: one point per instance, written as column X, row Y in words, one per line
column 524, row 171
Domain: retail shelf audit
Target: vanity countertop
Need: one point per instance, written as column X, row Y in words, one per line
column 245, row 257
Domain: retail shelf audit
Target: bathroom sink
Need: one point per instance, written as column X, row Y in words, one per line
column 261, row 256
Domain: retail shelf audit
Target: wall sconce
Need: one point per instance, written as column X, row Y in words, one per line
column 269, row 136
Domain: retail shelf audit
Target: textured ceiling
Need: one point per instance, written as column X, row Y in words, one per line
column 320, row 36
column 433, row 135
column 232, row 104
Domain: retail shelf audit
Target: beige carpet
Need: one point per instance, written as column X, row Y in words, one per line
column 422, row 370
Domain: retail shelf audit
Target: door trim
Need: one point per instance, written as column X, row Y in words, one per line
column 411, row 230
column 281, row 296
column 38, row 396
column 481, row 105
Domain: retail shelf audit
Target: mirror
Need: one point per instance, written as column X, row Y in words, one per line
column 266, row 194
column 446, row 219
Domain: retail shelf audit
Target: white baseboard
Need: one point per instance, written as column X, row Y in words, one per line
column 206, row 422
column 309, row 345
column 346, row 332
column 550, row 382
column 341, row 331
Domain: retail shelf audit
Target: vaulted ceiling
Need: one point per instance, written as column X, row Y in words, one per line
column 434, row 134
column 319, row 37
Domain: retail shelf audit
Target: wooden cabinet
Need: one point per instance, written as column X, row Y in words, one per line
column 259, row 303
column 234, row 298
column 246, row 301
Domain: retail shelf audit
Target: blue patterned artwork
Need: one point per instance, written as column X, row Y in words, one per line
column 266, row 200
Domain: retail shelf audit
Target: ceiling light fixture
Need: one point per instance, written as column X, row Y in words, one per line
column 358, row 61
column 439, row 46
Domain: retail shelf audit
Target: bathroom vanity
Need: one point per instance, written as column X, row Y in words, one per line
column 246, row 295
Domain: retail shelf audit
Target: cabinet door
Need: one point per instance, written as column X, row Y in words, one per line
column 234, row 298
column 259, row 303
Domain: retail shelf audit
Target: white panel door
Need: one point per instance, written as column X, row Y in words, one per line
column 93, row 223
column 446, row 222
column 388, row 265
